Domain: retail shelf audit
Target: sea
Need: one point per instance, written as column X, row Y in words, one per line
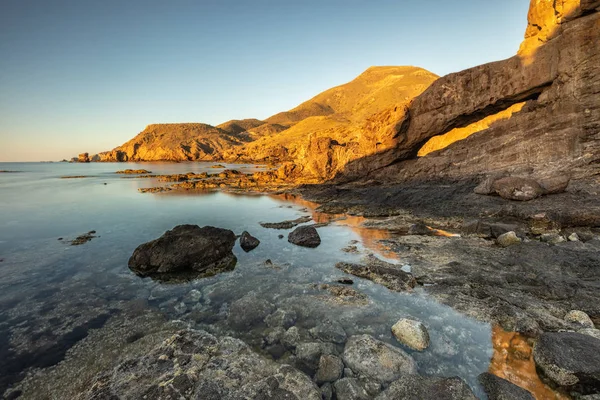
column 52, row 294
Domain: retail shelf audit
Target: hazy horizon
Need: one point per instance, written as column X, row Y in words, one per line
column 87, row 77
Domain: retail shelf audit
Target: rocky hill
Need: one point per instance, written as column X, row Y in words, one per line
column 350, row 115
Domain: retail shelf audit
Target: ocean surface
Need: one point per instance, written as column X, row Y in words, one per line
column 51, row 292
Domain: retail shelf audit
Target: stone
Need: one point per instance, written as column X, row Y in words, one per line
column 329, row 331
column 508, row 239
column 579, row 318
column 282, row 318
column 420, row 229
column 305, row 236
column 384, row 273
column 415, row 387
column 350, row 389
column 249, row 311
column 555, row 184
column 500, row 389
column 201, row 365
column 552, row 238
column 573, row 237
column 569, row 359
column 327, row 391
column 292, row 337
column 486, row 186
column 411, row 333
column 591, row 332
column 308, row 355
column 194, row 296
column 516, row 188
column 248, row 242
column 330, row 369
column 185, row 248
column 377, row 360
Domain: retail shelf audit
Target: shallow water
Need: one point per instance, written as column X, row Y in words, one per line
column 51, row 293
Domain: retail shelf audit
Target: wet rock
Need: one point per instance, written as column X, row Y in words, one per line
column 344, row 295
column 249, row 311
column 286, row 224
column 500, row 389
column 282, row 318
column 377, row 360
column 345, row 281
column 294, row 336
column 81, row 239
column 194, row 296
column 329, row 331
column 273, row 336
column 570, row 359
column 389, row 275
column 350, row 249
column 308, row 355
column 579, row 318
column 411, row 333
column 330, row 369
column 306, row 236
column 195, row 364
column 516, row 188
column 133, row 172
column 248, row 242
column 350, row 389
column 327, row 391
column 415, row 387
column 508, row 239
column 185, row 248
column 552, row 238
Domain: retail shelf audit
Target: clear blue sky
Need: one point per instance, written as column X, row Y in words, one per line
column 83, row 75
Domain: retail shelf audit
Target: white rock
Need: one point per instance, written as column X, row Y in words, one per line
column 411, row 333
column 508, row 239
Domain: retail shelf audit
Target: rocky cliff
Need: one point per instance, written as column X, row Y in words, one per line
column 536, row 113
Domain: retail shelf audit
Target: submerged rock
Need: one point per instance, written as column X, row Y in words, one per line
column 411, row 333
column 350, row 389
column 286, row 224
column 248, row 242
column 194, row 364
column 500, row 389
column 415, row 387
column 377, row 360
column 82, row 239
column 185, row 248
column 384, row 273
column 330, row 369
column 248, row 311
column 305, row 236
column 570, row 359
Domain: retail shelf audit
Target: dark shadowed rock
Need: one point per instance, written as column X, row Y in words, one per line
column 415, row 387
column 377, row 360
column 185, row 248
column 248, row 242
column 570, row 359
column 308, row 355
column 500, row 389
column 197, row 365
column 306, row 236
column 515, row 188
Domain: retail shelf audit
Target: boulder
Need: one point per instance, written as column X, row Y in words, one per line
column 552, row 238
column 308, row 355
column 415, row 387
column 377, row 360
column 384, row 273
column 350, row 389
column 185, row 248
column 329, row 331
column 330, row 369
column 249, row 311
column 555, row 184
column 411, row 333
column 305, row 236
column 500, row 389
column 282, row 318
column 194, row 364
column 248, row 242
column 579, row 318
column 570, row 359
column 508, row 239
column 516, row 188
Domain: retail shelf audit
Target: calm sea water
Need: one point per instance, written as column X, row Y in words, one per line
column 50, row 291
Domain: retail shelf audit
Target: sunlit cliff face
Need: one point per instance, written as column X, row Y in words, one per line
column 513, row 361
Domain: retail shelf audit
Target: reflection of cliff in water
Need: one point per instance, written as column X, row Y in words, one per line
column 513, row 361
column 370, row 237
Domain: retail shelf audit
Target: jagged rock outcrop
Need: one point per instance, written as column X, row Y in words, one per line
column 556, row 74
column 83, row 158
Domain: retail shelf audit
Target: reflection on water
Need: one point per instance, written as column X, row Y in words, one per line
column 513, row 361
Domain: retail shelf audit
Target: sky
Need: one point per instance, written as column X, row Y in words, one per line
column 86, row 75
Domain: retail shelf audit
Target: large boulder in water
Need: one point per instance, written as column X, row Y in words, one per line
column 306, row 236
column 185, row 248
